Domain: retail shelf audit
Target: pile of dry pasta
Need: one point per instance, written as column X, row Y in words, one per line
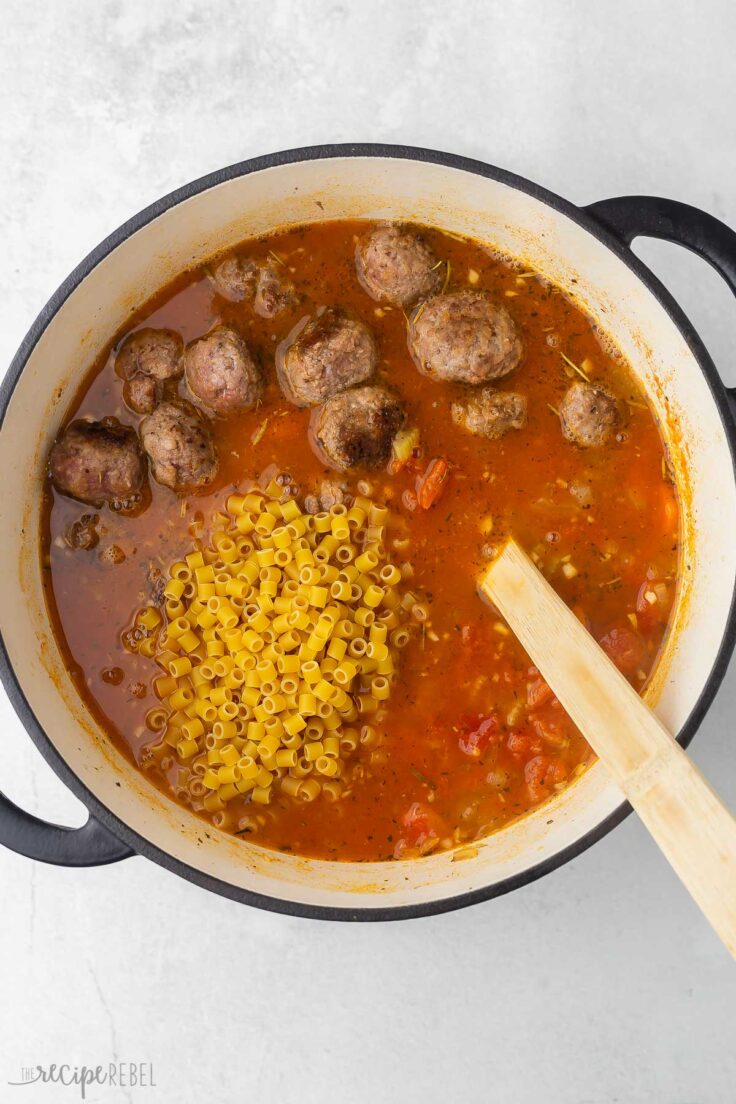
column 279, row 647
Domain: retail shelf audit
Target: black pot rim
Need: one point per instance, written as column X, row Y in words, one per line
column 322, row 152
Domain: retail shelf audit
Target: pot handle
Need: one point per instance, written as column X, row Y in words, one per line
column 629, row 217
column 90, row 845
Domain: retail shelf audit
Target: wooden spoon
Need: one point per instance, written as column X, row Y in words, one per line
column 688, row 821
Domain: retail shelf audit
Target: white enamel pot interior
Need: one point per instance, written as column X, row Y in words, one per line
column 306, row 186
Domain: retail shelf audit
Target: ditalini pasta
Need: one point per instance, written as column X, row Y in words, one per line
column 282, row 649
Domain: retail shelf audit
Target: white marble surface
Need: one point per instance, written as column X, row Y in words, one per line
column 596, row 985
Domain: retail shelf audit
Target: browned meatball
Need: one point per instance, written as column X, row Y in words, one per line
column 179, row 445
column 464, row 337
column 356, row 428
column 325, row 356
column 221, row 372
column 395, row 265
column 154, row 353
column 235, row 278
column 141, row 394
column 83, row 532
column 274, row 293
column 489, row 413
column 588, row 413
column 330, row 494
column 98, row 462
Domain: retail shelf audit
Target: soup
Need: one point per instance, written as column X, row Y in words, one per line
column 333, row 395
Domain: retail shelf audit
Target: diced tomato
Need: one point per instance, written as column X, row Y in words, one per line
column 538, row 693
column 648, row 612
column 415, row 817
column 625, row 648
column 431, row 485
column 522, row 741
column 486, row 731
column 642, row 605
column 541, row 774
column 422, row 826
column 552, row 725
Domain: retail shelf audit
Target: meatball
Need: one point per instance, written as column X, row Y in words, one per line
column 235, row 278
column 179, row 445
column 395, row 265
column 221, row 372
column 238, row 278
column 464, row 337
column 83, row 533
column 489, row 413
column 356, row 428
column 154, row 353
column 329, row 354
column 98, row 462
column 588, row 413
column 274, row 294
column 142, row 394
column 330, row 494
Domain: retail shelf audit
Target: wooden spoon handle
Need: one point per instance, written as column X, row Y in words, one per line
column 693, row 828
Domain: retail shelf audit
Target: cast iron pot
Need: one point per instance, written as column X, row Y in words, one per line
column 585, row 250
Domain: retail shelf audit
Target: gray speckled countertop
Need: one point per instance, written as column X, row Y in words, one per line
column 599, row 984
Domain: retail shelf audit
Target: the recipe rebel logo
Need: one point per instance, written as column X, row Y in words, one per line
column 121, row 1075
